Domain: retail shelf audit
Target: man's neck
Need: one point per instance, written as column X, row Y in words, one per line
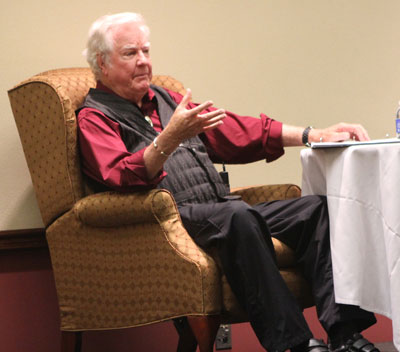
column 139, row 102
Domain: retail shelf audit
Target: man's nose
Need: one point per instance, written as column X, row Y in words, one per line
column 142, row 58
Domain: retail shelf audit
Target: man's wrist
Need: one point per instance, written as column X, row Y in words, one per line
column 155, row 145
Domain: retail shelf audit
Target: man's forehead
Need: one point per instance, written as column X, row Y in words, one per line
column 130, row 33
column 135, row 46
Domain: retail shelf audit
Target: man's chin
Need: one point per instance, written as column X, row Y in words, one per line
column 143, row 80
column 142, row 86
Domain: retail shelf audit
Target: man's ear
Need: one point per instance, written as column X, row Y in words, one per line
column 101, row 63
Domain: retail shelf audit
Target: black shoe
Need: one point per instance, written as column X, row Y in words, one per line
column 356, row 344
column 313, row 345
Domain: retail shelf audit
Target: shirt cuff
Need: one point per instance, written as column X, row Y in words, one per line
column 272, row 138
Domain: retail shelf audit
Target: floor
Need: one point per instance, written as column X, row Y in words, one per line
column 386, row 347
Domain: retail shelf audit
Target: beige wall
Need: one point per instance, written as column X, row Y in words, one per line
column 303, row 62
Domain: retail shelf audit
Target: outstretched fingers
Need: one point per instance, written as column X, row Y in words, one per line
column 188, row 121
column 186, row 99
column 212, row 119
column 196, row 110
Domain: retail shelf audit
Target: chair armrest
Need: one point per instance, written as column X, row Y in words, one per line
column 133, row 248
column 112, row 209
column 266, row 193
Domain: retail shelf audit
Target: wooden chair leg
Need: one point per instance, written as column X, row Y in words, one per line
column 205, row 330
column 187, row 341
column 71, row 341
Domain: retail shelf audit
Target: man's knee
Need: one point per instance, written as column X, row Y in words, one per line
column 237, row 208
column 246, row 222
column 316, row 202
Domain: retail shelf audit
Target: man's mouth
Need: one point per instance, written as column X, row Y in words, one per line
column 140, row 75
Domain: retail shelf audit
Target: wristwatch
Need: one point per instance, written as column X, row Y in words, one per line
column 304, row 137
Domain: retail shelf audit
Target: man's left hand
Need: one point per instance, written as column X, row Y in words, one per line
column 339, row 133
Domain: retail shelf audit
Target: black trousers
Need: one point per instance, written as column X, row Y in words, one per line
column 242, row 235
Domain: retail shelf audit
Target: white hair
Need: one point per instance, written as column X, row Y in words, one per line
column 100, row 39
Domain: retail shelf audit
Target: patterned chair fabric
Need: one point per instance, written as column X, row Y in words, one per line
column 119, row 260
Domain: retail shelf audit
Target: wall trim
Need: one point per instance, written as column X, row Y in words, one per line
column 23, row 239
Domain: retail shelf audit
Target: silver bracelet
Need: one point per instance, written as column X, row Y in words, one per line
column 155, row 145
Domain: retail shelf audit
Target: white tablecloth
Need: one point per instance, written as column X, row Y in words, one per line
column 362, row 184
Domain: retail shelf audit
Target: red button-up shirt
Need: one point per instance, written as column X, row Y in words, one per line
column 240, row 139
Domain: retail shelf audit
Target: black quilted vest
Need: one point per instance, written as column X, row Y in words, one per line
column 192, row 178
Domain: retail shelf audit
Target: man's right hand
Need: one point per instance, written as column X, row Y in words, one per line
column 186, row 123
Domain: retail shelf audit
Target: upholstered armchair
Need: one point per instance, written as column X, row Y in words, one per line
column 122, row 260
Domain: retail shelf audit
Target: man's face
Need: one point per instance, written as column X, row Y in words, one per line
column 128, row 71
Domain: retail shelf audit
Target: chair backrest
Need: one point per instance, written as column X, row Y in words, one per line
column 44, row 110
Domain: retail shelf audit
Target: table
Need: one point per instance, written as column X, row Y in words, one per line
column 362, row 185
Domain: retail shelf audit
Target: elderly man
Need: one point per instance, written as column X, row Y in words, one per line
column 134, row 135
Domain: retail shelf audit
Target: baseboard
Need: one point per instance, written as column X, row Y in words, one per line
column 23, row 239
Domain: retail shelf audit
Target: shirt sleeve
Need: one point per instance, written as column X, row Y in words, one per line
column 105, row 157
column 242, row 139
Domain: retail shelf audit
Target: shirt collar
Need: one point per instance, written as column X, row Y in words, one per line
column 148, row 97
